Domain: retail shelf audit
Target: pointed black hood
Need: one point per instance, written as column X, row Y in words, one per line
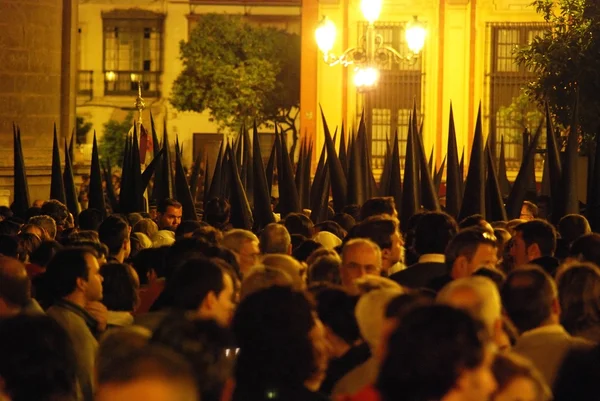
column 494, row 207
column 184, row 195
column 69, row 183
column 410, row 195
column 453, row 180
column 241, row 214
column 20, row 186
column 195, row 176
column 474, row 192
column 96, row 194
column 569, row 202
column 262, row 198
column 502, row 175
column 289, row 201
column 429, row 199
column 339, row 185
column 57, row 188
column 519, row 188
column 394, row 181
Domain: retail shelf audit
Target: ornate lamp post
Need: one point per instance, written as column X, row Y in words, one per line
column 370, row 53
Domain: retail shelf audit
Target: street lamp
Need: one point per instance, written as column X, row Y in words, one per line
column 370, row 54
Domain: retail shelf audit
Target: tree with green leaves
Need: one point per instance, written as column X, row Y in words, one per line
column 82, row 128
column 112, row 144
column 564, row 59
column 520, row 115
column 239, row 72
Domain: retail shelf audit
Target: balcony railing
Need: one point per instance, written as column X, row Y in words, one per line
column 125, row 83
column 85, row 83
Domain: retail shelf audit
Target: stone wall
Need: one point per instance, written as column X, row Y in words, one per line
column 32, row 45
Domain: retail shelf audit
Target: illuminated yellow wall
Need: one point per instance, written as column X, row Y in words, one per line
column 455, row 57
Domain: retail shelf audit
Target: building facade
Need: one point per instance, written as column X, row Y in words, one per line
column 467, row 59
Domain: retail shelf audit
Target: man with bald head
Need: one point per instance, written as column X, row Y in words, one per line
column 360, row 257
column 15, row 287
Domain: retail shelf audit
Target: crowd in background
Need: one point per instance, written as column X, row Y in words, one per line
column 150, row 307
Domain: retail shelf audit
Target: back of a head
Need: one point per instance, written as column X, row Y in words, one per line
column 297, row 223
column 266, row 325
column 113, row 231
column 275, row 238
column 133, row 218
column 150, row 368
column 370, row 313
column 44, row 253
column 205, row 345
column 185, row 248
column 116, row 344
column 261, row 277
column 428, row 352
column 527, row 297
column 378, row 206
column 335, row 308
column 119, row 288
column 433, row 232
column 587, row 247
column 192, row 281
column 325, row 269
column 466, row 242
column 539, row 232
column 344, row 220
column 532, row 210
column 287, row 264
column 89, row 219
column 15, row 287
column 146, row 226
column 217, row 212
column 56, row 210
column 38, row 360
column 45, row 222
column 573, row 226
column 209, row 234
column 353, row 210
column 477, row 295
column 186, row 227
column 579, row 295
column 234, row 239
column 332, row 227
column 378, row 229
column 82, row 235
column 305, row 249
column 475, row 220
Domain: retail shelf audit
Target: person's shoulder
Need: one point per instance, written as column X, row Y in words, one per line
column 368, row 393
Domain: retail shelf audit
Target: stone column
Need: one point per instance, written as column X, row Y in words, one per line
column 37, row 84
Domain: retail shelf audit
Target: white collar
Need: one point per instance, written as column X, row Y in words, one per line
column 432, row 258
column 547, row 329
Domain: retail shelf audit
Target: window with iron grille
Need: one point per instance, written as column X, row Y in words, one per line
column 506, row 80
column 388, row 106
column 132, row 52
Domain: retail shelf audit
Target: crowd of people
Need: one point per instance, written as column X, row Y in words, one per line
column 153, row 308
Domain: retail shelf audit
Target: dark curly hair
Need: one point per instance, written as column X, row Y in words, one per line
column 428, row 351
column 272, row 329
